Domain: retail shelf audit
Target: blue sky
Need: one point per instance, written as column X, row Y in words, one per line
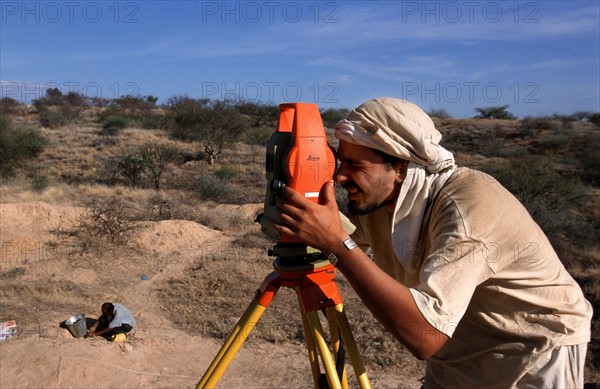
column 539, row 57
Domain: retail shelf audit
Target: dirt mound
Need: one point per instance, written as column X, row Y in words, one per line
column 167, row 236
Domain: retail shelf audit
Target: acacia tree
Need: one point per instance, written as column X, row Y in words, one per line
column 224, row 124
column 156, row 158
column 214, row 123
column 259, row 114
column 494, row 113
column 131, row 166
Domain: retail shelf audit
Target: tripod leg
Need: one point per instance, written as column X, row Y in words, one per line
column 232, row 345
column 344, row 326
column 311, row 346
column 336, row 344
column 328, row 363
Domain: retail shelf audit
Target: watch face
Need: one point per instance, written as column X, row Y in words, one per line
column 350, row 244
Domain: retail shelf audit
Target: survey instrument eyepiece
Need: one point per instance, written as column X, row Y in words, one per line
column 299, row 157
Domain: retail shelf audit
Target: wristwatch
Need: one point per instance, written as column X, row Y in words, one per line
column 348, row 244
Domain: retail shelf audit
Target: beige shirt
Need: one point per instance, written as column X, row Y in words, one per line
column 487, row 277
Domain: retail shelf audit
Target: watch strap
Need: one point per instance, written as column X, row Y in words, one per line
column 349, row 244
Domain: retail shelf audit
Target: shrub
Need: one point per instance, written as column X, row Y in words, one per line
column 594, row 118
column 538, row 124
column 589, row 161
column 74, row 99
column 159, row 208
column 40, row 183
column 331, row 116
column 210, row 187
column 57, row 116
column 10, row 106
column 440, row 113
column 226, row 173
column 113, row 124
column 105, row 219
column 17, row 145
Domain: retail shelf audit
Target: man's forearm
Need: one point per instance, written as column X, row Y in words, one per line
column 391, row 303
column 103, row 331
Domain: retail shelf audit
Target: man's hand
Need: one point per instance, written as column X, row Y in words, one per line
column 318, row 226
column 90, row 334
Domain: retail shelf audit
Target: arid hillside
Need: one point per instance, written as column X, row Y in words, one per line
column 128, row 203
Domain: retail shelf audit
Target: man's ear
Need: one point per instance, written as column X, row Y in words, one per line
column 400, row 168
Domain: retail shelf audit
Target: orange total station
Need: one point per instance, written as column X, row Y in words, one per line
column 299, row 157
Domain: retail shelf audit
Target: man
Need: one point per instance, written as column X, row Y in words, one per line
column 115, row 319
column 461, row 274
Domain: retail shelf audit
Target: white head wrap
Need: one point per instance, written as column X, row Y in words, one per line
column 401, row 129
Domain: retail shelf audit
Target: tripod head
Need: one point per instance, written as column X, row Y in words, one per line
column 298, row 156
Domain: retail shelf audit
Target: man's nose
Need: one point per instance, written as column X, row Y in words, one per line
column 340, row 175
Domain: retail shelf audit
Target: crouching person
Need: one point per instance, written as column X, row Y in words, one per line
column 116, row 321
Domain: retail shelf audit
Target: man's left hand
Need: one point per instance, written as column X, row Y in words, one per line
column 316, row 225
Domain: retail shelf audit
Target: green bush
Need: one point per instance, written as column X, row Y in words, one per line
column 40, row 183
column 17, row 145
column 140, row 111
column 113, row 124
column 210, row 187
column 57, row 116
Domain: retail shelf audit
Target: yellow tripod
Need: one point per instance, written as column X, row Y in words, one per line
column 316, row 289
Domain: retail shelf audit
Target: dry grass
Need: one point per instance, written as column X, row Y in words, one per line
column 209, row 299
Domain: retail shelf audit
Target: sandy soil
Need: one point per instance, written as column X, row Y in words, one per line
column 157, row 354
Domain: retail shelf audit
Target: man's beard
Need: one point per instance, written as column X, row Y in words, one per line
column 357, row 209
column 371, row 201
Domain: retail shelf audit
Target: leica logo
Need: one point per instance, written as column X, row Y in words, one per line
column 313, row 158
